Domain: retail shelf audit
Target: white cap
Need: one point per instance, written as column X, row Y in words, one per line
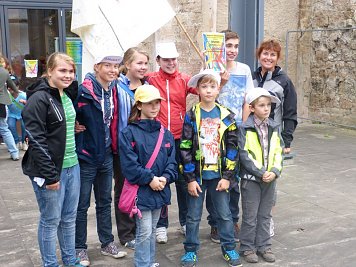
column 108, row 59
column 193, row 82
column 167, row 50
column 255, row 93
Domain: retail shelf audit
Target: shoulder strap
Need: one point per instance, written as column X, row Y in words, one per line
column 157, row 148
column 127, row 89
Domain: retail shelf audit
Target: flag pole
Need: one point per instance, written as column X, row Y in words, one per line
column 190, row 39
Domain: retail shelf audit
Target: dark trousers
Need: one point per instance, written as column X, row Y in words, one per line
column 124, row 224
column 182, row 195
column 233, row 204
column 257, row 201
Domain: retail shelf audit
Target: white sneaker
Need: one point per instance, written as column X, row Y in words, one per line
column 161, row 235
column 24, row 146
column 271, row 228
column 155, row 264
column 19, row 145
column 182, row 229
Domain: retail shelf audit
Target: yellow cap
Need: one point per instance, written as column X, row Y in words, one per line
column 146, row 93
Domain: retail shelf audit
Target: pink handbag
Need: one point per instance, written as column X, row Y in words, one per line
column 128, row 197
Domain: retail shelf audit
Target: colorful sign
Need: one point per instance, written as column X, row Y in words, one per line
column 215, row 53
column 31, row 67
column 74, row 49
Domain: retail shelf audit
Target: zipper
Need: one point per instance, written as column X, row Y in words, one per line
column 168, row 106
column 56, row 110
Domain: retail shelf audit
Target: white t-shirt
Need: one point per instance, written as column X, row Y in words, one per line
column 232, row 95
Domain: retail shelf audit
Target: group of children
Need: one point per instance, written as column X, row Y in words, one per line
column 215, row 149
column 227, row 136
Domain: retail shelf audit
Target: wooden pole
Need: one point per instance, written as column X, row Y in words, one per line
column 190, row 39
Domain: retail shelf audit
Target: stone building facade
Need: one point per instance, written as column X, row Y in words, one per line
column 321, row 60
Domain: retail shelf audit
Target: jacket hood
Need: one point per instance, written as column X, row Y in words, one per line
column 148, row 125
column 42, row 85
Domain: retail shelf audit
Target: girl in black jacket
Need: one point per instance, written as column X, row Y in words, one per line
column 51, row 161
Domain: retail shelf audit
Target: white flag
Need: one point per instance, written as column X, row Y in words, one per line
column 110, row 27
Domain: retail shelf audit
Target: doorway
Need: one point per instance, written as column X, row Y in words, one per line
column 31, row 34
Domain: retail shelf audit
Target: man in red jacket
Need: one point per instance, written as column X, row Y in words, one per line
column 173, row 86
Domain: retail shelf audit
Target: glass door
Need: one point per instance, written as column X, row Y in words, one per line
column 33, row 35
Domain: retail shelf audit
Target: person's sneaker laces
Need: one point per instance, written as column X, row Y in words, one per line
column 271, row 228
column 112, row 251
column 268, row 255
column 82, row 257
column 232, row 257
column 189, row 259
column 236, row 232
column 130, row 244
column 161, row 235
column 214, row 235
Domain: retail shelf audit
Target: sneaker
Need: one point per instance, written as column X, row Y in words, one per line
column 189, row 259
column 155, row 264
column 77, row 264
column 19, row 145
column 82, row 256
column 250, row 256
column 232, row 257
column 236, row 232
column 15, row 157
column 112, row 251
column 214, row 236
column 24, row 146
column 271, row 228
column 182, row 229
column 130, row 244
column 161, row 235
column 268, row 255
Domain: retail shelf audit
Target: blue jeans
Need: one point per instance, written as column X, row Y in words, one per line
column 234, row 206
column 220, row 200
column 12, row 126
column 8, row 138
column 145, row 247
column 58, row 209
column 99, row 177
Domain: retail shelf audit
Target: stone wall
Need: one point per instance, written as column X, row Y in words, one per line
column 327, row 60
column 190, row 14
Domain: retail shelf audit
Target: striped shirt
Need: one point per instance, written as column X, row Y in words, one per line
column 262, row 130
column 70, row 156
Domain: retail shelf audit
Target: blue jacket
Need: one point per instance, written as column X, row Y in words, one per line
column 137, row 142
column 91, row 142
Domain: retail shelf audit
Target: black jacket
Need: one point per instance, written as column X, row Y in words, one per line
column 45, row 125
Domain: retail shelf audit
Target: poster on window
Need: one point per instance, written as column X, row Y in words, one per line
column 215, row 53
column 31, row 67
